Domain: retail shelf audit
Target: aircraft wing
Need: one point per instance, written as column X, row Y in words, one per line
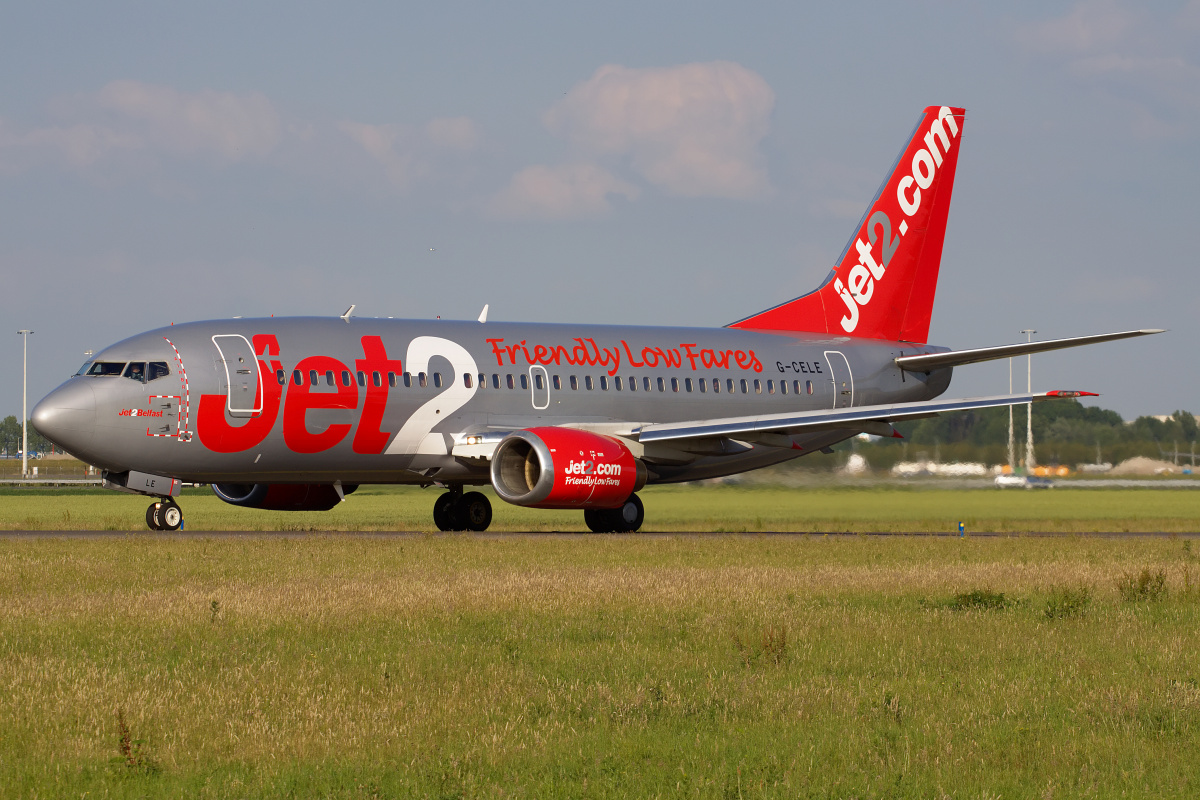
column 955, row 358
column 858, row 418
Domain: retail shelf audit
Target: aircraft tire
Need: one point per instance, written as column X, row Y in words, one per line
column 442, row 511
column 597, row 520
column 629, row 517
column 152, row 517
column 170, row 516
column 476, row 511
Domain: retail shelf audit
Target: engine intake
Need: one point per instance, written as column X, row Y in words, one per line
column 565, row 468
column 282, row 496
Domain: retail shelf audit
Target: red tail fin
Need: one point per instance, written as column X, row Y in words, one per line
column 884, row 283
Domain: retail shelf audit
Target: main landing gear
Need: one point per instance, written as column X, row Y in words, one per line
column 625, row 519
column 456, row 511
column 164, row 515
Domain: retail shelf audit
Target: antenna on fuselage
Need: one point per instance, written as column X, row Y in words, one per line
column 346, row 316
column 483, row 314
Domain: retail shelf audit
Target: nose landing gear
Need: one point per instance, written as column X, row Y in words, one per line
column 164, row 515
column 455, row 511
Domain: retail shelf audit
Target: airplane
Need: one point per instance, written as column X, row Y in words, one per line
column 297, row 413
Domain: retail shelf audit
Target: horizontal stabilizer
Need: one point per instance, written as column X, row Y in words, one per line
column 956, row 358
column 856, row 419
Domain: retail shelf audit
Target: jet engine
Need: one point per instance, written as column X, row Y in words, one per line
column 282, row 496
column 565, row 468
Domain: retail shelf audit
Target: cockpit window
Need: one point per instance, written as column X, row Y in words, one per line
column 84, row 369
column 137, row 371
column 156, row 370
column 107, row 368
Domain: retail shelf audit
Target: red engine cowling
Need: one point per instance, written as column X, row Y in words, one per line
column 565, row 468
column 282, row 496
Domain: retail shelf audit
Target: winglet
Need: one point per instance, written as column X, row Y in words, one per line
column 346, row 316
column 483, row 314
column 1070, row 393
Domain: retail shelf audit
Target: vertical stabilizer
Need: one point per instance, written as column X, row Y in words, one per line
column 884, row 283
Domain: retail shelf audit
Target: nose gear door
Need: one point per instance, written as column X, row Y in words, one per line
column 243, row 384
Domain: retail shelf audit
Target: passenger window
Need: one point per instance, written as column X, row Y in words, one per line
column 783, row 387
column 574, row 383
column 362, row 379
column 297, row 378
column 617, row 382
column 729, row 385
column 392, row 379
column 662, row 385
column 437, row 380
column 770, row 387
column 406, row 379
column 136, row 371
column 508, row 380
column 743, row 383
column 646, row 383
column 312, row 377
column 557, row 383
column 604, row 382
column 524, row 381
column 716, row 385
column 495, row 381
column 632, row 383
column 587, row 382
column 539, row 382
column 345, row 378
column 674, row 384
column 156, row 370
column 422, row 380
column 467, row 379
column 757, row 386
column 482, row 381
column 796, row 387
column 329, row 377
column 687, row 384
column 703, row 384
column 376, row 379
column 808, row 387
column 280, row 377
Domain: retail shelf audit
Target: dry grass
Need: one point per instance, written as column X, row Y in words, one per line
column 594, row 666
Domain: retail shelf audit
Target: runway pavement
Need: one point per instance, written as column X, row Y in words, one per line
column 186, row 534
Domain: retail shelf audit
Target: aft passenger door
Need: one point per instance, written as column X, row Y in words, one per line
column 841, row 378
column 239, row 369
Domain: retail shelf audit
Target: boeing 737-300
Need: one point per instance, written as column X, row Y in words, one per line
column 296, row 413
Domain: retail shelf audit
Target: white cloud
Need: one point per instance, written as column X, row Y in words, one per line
column 691, row 130
column 562, row 192
column 130, row 116
column 407, row 152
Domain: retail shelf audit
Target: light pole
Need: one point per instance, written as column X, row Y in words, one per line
column 24, row 408
column 1012, row 443
column 1030, row 461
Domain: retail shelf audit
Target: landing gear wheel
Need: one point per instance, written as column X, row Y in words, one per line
column 476, row 511
column 625, row 519
column 170, row 516
column 441, row 511
column 152, row 517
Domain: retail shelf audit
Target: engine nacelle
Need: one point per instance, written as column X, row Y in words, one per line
column 565, row 468
column 282, row 496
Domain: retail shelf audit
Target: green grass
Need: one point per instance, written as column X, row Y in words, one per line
column 668, row 508
column 597, row 666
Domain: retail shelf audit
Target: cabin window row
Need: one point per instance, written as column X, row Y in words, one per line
column 588, row 383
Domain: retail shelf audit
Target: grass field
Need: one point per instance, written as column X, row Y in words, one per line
column 599, row 666
column 668, row 508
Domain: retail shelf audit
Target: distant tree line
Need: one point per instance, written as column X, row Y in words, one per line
column 10, row 438
column 1064, row 432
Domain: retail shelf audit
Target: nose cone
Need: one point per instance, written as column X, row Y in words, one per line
column 67, row 416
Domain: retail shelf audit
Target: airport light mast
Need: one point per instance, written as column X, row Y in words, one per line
column 24, row 404
column 1012, row 442
column 1030, row 461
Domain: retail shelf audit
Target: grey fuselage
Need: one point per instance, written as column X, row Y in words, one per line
column 421, row 401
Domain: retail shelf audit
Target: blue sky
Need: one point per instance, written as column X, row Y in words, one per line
column 650, row 163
